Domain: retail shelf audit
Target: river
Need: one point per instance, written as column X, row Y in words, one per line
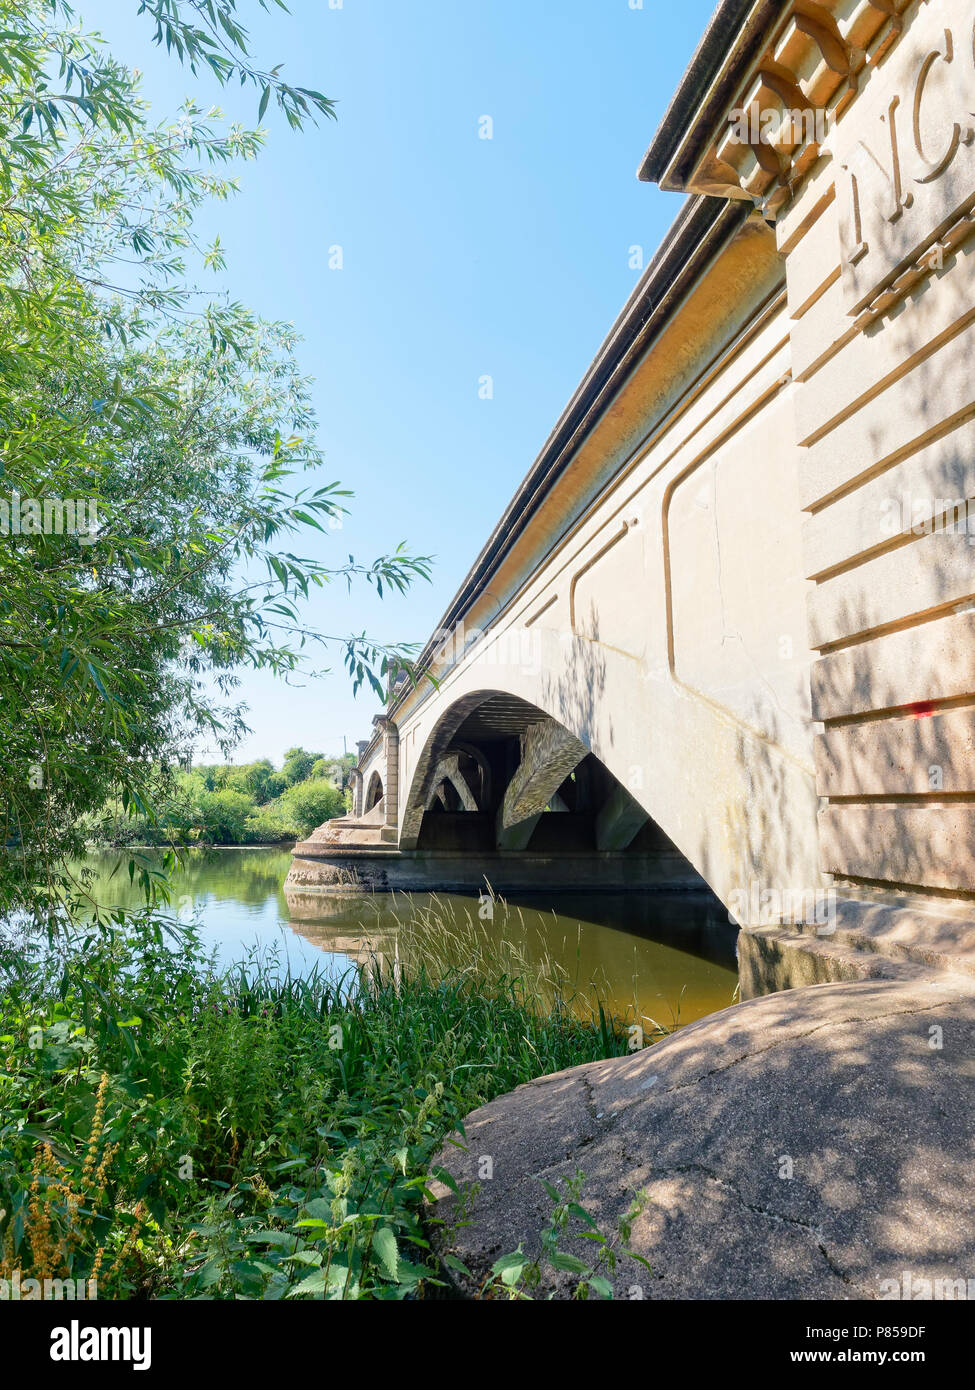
column 668, row 957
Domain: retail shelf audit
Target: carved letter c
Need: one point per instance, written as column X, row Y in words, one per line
column 933, row 168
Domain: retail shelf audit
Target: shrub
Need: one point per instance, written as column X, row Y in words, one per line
column 265, row 828
column 298, row 764
column 307, row 804
column 223, row 816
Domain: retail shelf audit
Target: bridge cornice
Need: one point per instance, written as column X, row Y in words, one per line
column 777, row 60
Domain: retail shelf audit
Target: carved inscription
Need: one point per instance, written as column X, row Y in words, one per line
column 905, row 156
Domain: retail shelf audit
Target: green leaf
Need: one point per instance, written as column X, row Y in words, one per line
column 441, row 1175
column 569, row 1263
column 601, row 1286
column 387, row 1251
column 582, row 1215
column 314, row 1283
column 510, row 1268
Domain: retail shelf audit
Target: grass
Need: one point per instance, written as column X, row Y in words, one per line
column 177, row 1132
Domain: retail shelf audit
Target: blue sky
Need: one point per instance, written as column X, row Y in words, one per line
column 462, row 257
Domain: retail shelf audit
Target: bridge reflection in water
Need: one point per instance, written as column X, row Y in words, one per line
column 670, row 954
column 667, row 958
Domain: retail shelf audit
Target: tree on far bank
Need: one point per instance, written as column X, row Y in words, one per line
column 298, row 763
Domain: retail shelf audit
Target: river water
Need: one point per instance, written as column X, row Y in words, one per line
column 668, row 957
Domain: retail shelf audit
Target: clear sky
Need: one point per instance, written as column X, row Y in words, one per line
column 462, row 257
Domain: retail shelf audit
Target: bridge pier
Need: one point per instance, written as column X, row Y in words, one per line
column 390, row 736
column 896, row 937
column 549, row 754
column 620, row 820
column 343, row 870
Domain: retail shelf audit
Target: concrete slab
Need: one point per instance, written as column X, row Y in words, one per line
column 806, row 1145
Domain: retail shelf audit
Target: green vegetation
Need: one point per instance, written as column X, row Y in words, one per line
column 177, row 425
column 167, row 1130
column 516, row 1275
column 176, row 1133
column 224, row 804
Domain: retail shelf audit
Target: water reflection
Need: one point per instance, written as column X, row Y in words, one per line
column 668, row 956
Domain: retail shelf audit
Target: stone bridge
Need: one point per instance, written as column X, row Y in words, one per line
column 724, row 633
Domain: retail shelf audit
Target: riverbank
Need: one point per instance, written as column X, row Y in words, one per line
column 250, row 804
column 175, row 1133
column 103, row 847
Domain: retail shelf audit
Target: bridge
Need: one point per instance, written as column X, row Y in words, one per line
column 723, row 635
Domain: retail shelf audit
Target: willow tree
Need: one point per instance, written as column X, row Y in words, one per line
column 152, row 440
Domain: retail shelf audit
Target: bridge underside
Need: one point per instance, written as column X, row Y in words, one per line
column 512, row 799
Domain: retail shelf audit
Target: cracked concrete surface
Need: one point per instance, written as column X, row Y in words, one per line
column 805, row 1145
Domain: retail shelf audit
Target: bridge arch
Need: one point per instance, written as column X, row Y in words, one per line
column 496, row 769
column 462, row 779
column 374, row 793
column 734, row 796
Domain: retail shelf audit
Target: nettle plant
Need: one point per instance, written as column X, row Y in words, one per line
column 519, row 1276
